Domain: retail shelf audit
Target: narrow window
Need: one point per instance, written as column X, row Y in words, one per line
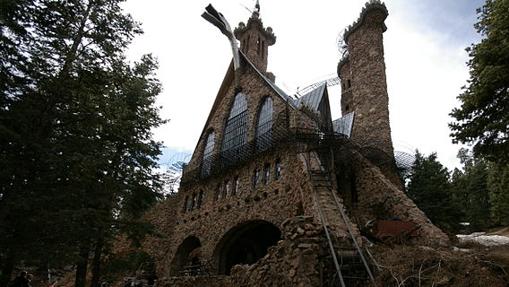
column 207, row 154
column 185, row 203
column 264, row 125
column 256, row 174
column 200, row 199
column 235, row 132
column 218, row 192
column 189, row 203
column 349, row 83
column 266, row 173
column 236, row 185
column 277, row 169
column 193, row 202
column 227, row 189
column 258, row 45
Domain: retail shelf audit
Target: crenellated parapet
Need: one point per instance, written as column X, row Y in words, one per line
column 371, row 6
column 255, row 23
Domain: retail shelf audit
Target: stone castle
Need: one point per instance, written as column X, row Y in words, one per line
column 277, row 192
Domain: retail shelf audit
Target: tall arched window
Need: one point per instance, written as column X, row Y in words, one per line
column 235, row 131
column 207, row 154
column 264, row 126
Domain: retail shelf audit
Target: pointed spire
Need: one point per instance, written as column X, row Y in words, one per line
column 257, row 7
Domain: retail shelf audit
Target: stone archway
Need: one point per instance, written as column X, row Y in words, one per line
column 187, row 254
column 245, row 243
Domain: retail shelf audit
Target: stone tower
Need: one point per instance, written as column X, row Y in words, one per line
column 269, row 184
column 363, row 82
column 255, row 39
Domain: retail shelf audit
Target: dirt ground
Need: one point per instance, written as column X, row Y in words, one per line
column 425, row 266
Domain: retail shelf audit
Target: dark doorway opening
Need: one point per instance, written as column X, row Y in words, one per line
column 187, row 255
column 246, row 244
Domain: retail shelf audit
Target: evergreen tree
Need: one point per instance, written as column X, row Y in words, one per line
column 498, row 185
column 429, row 188
column 483, row 118
column 470, row 189
column 75, row 133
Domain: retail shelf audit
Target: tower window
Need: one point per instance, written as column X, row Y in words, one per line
column 349, row 84
column 258, row 45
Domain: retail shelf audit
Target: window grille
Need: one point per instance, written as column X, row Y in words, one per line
column 207, row 154
column 264, row 126
column 235, row 133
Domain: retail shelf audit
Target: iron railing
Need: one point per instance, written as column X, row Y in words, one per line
column 279, row 135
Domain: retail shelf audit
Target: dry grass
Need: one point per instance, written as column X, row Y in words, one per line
column 425, row 266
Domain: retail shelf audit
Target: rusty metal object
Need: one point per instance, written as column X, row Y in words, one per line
column 392, row 231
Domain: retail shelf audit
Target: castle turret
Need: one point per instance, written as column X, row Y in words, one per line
column 255, row 39
column 363, row 80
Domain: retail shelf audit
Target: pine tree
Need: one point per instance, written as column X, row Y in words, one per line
column 498, row 185
column 483, row 118
column 470, row 188
column 75, row 132
column 429, row 188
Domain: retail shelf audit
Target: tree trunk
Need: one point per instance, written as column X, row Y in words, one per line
column 71, row 55
column 7, row 269
column 96, row 262
column 81, row 267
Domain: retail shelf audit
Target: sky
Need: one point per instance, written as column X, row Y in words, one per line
column 424, row 54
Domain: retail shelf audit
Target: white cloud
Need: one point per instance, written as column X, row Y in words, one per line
column 425, row 69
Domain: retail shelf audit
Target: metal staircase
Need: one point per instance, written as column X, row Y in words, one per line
column 352, row 267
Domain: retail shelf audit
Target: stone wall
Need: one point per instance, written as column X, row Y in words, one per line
column 272, row 202
column 299, row 259
column 197, row 281
column 379, row 198
column 256, row 90
column 295, row 261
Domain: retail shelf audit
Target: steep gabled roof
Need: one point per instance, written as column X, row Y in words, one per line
column 228, row 79
column 344, row 124
column 312, row 99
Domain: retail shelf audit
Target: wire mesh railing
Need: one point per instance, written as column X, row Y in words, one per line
column 280, row 134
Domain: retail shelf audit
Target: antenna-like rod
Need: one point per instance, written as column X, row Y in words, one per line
column 217, row 19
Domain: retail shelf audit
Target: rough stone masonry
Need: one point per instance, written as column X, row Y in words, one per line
column 274, row 192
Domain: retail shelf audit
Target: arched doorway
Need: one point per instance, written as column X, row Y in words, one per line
column 187, row 255
column 245, row 244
